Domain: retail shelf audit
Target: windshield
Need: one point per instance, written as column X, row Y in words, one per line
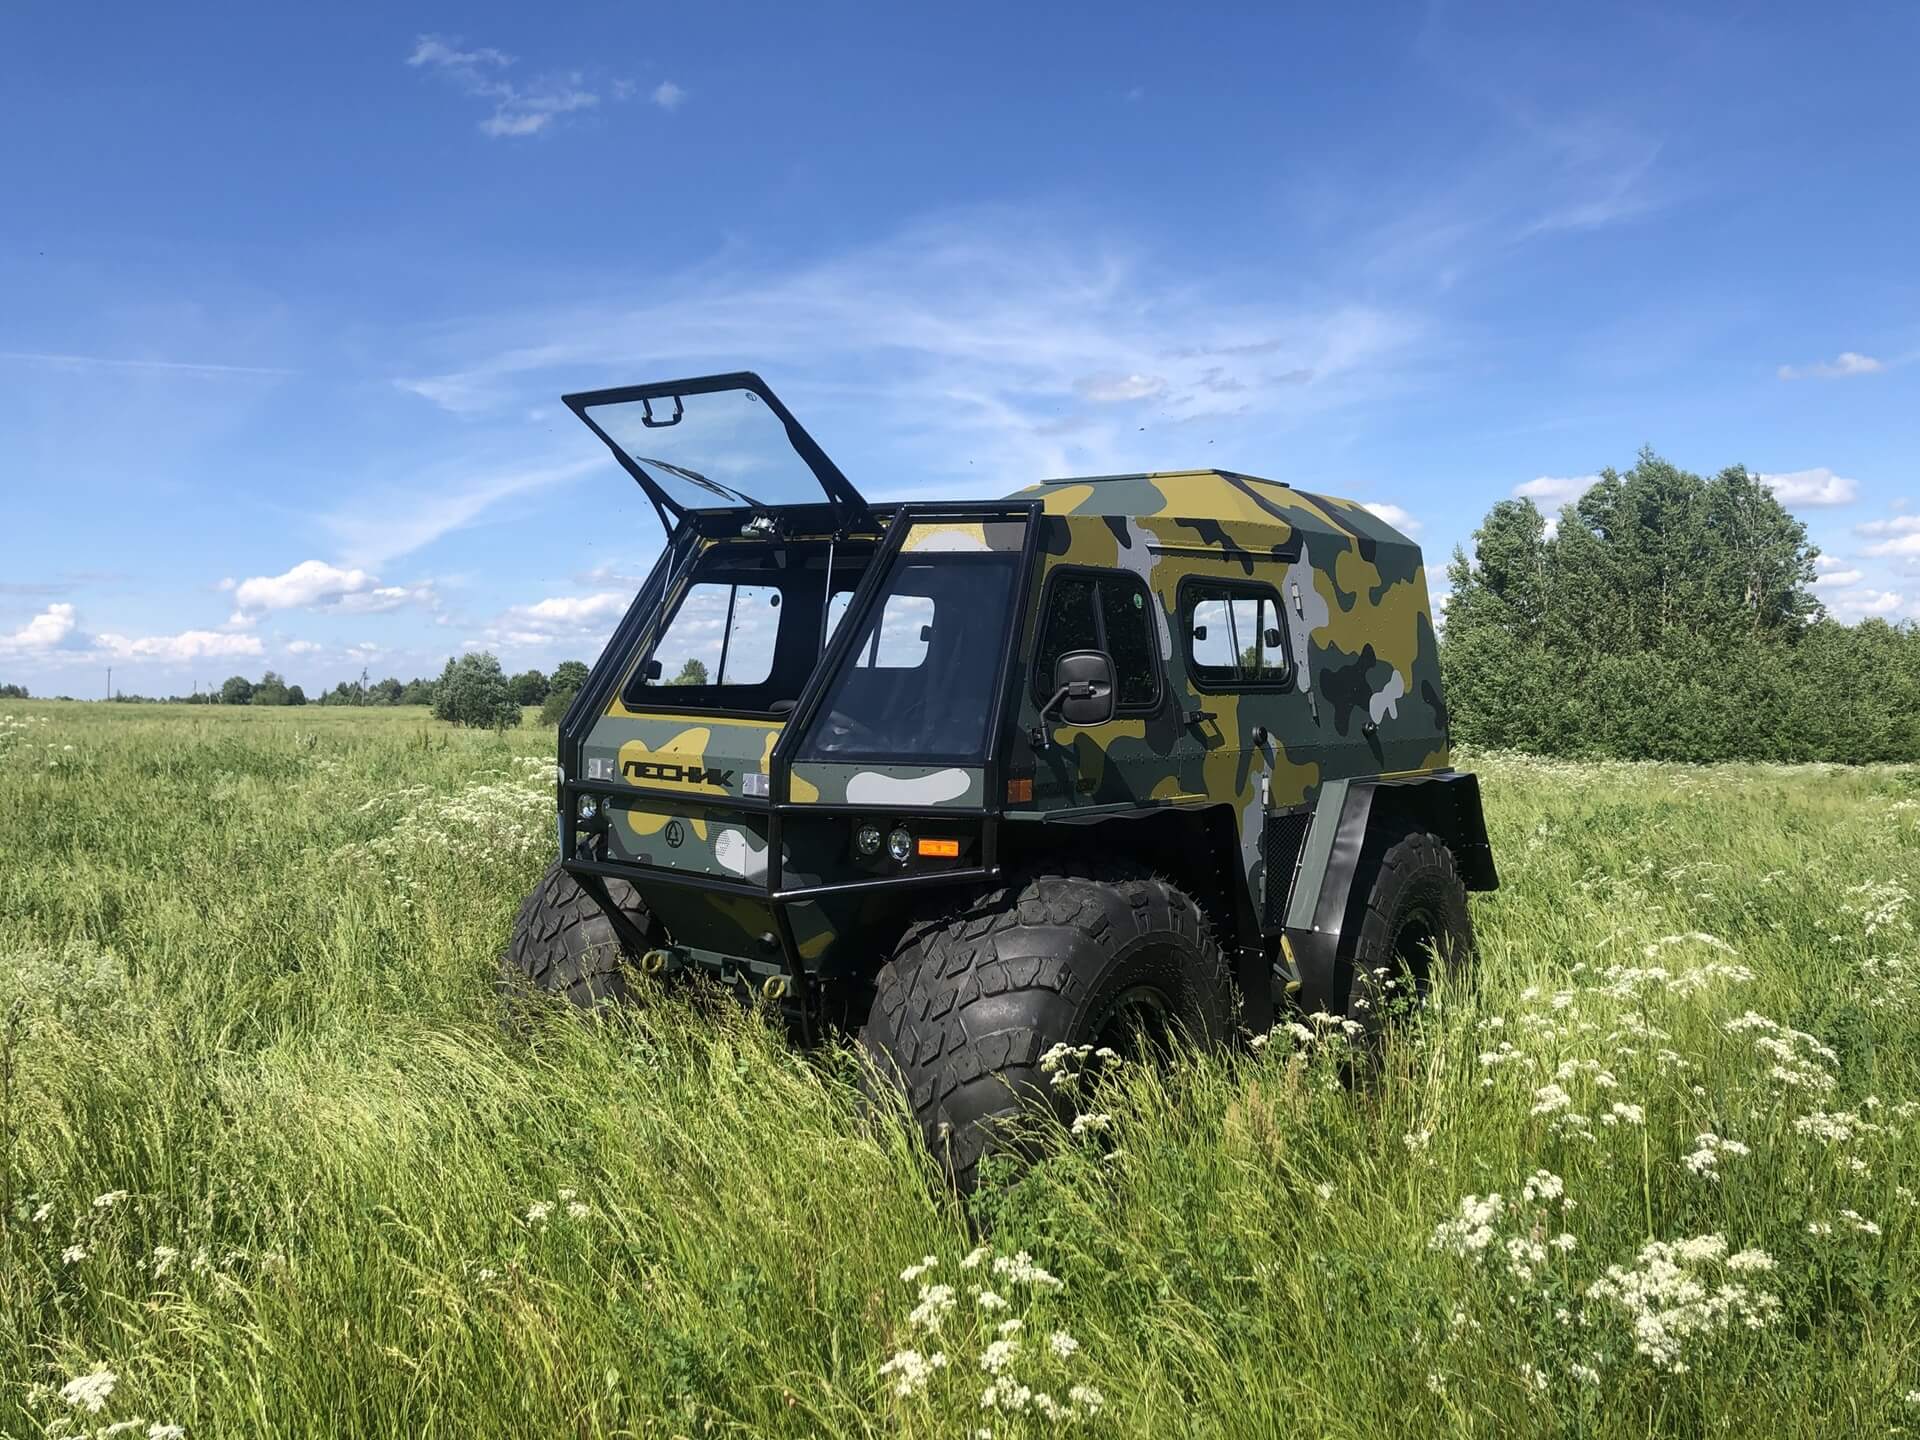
column 713, row 442
column 919, row 683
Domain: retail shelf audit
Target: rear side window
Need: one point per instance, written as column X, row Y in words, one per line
column 1106, row 610
column 1236, row 635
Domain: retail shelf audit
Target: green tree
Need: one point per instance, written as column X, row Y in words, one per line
column 272, row 690
column 693, row 672
column 417, row 692
column 529, row 687
column 236, row 690
column 1669, row 617
column 568, row 676
column 13, row 692
column 385, row 692
column 296, row 696
column 473, row 691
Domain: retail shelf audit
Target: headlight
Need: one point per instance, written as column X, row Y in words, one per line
column 900, row 845
column 589, row 807
column 868, row 839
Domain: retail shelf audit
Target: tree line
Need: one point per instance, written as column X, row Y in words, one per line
column 1667, row 616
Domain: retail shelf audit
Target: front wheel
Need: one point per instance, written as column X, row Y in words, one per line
column 966, row 1012
column 563, row 942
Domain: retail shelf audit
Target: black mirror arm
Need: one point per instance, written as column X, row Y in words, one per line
column 1072, row 690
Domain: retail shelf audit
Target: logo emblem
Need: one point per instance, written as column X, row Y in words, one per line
column 674, row 835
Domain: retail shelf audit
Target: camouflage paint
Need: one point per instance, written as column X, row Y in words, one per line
column 1363, row 696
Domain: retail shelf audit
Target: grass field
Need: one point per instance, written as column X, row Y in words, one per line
column 269, row 1161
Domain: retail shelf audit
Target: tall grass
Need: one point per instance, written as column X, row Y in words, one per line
column 269, row 1160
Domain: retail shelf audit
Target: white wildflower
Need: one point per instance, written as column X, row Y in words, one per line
column 975, row 1256
column 1542, row 1185
column 913, row 1272
column 991, row 1302
column 163, row 1258
column 1087, row 1398
column 1092, row 1122
column 936, row 1301
column 73, row 1254
column 1020, row 1269
column 578, row 1210
column 160, row 1430
column 1471, row 1229
column 90, row 1392
column 109, row 1200
column 913, row 1371
column 999, row 1354
column 1860, row 1222
column 1549, row 1098
column 538, row 1211
column 1062, row 1344
column 1750, row 1261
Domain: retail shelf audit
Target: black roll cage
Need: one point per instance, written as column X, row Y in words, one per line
column 682, row 550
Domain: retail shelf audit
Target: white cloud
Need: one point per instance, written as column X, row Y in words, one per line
column 1847, row 363
column 1893, row 525
column 304, row 647
column 187, row 645
column 1556, row 489
column 1113, row 389
column 382, row 598
column 517, row 110
column 1840, row 577
column 668, row 96
column 1898, row 545
column 1393, row 515
column 105, row 362
column 43, row 632
column 1866, row 603
column 311, row 582
column 1811, row 487
column 572, row 612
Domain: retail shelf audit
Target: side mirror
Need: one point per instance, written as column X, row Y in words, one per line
column 1083, row 683
column 1273, row 637
column 652, row 670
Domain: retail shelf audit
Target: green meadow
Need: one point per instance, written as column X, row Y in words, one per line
column 272, row 1165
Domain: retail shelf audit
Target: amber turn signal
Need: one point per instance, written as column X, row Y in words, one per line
column 946, row 849
column 1020, row 792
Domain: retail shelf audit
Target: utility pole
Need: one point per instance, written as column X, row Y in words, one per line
column 109, row 682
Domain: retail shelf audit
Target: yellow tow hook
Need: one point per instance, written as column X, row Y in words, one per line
column 653, row 962
column 774, row 987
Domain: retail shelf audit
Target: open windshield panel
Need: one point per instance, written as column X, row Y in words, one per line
column 716, row 442
column 918, row 685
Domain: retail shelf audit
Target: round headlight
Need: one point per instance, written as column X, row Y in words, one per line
column 868, row 839
column 589, row 807
column 900, row 845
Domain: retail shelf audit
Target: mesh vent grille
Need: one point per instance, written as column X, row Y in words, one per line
column 1280, row 849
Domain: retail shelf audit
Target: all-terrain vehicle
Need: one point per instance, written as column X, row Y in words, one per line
column 1115, row 757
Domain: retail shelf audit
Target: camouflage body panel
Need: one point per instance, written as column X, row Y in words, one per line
column 864, row 782
column 1363, row 695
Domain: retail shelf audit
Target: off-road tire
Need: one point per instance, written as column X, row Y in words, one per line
column 1416, row 904
column 564, row 944
column 965, row 1010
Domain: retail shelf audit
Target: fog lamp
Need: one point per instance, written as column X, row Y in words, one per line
column 868, row 839
column 900, row 845
column 589, row 807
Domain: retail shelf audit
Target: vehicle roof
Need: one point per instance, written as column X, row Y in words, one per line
column 1225, row 497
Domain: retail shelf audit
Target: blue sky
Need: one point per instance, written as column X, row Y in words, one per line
column 289, row 296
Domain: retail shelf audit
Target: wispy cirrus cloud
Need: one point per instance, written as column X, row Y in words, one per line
column 56, row 361
column 411, row 511
column 516, row 110
column 986, row 347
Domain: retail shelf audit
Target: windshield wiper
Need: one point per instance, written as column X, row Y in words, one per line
column 694, row 477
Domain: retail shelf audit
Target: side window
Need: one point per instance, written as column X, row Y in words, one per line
column 1104, row 610
column 1236, row 635
column 720, row 635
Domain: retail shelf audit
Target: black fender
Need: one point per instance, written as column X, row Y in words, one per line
column 1329, row 887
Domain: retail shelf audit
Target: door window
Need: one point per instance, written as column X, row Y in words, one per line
column 1107, row 610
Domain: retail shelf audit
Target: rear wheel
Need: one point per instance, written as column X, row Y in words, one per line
column 563, row 942
column 1416, row 916
column 967, row 1011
